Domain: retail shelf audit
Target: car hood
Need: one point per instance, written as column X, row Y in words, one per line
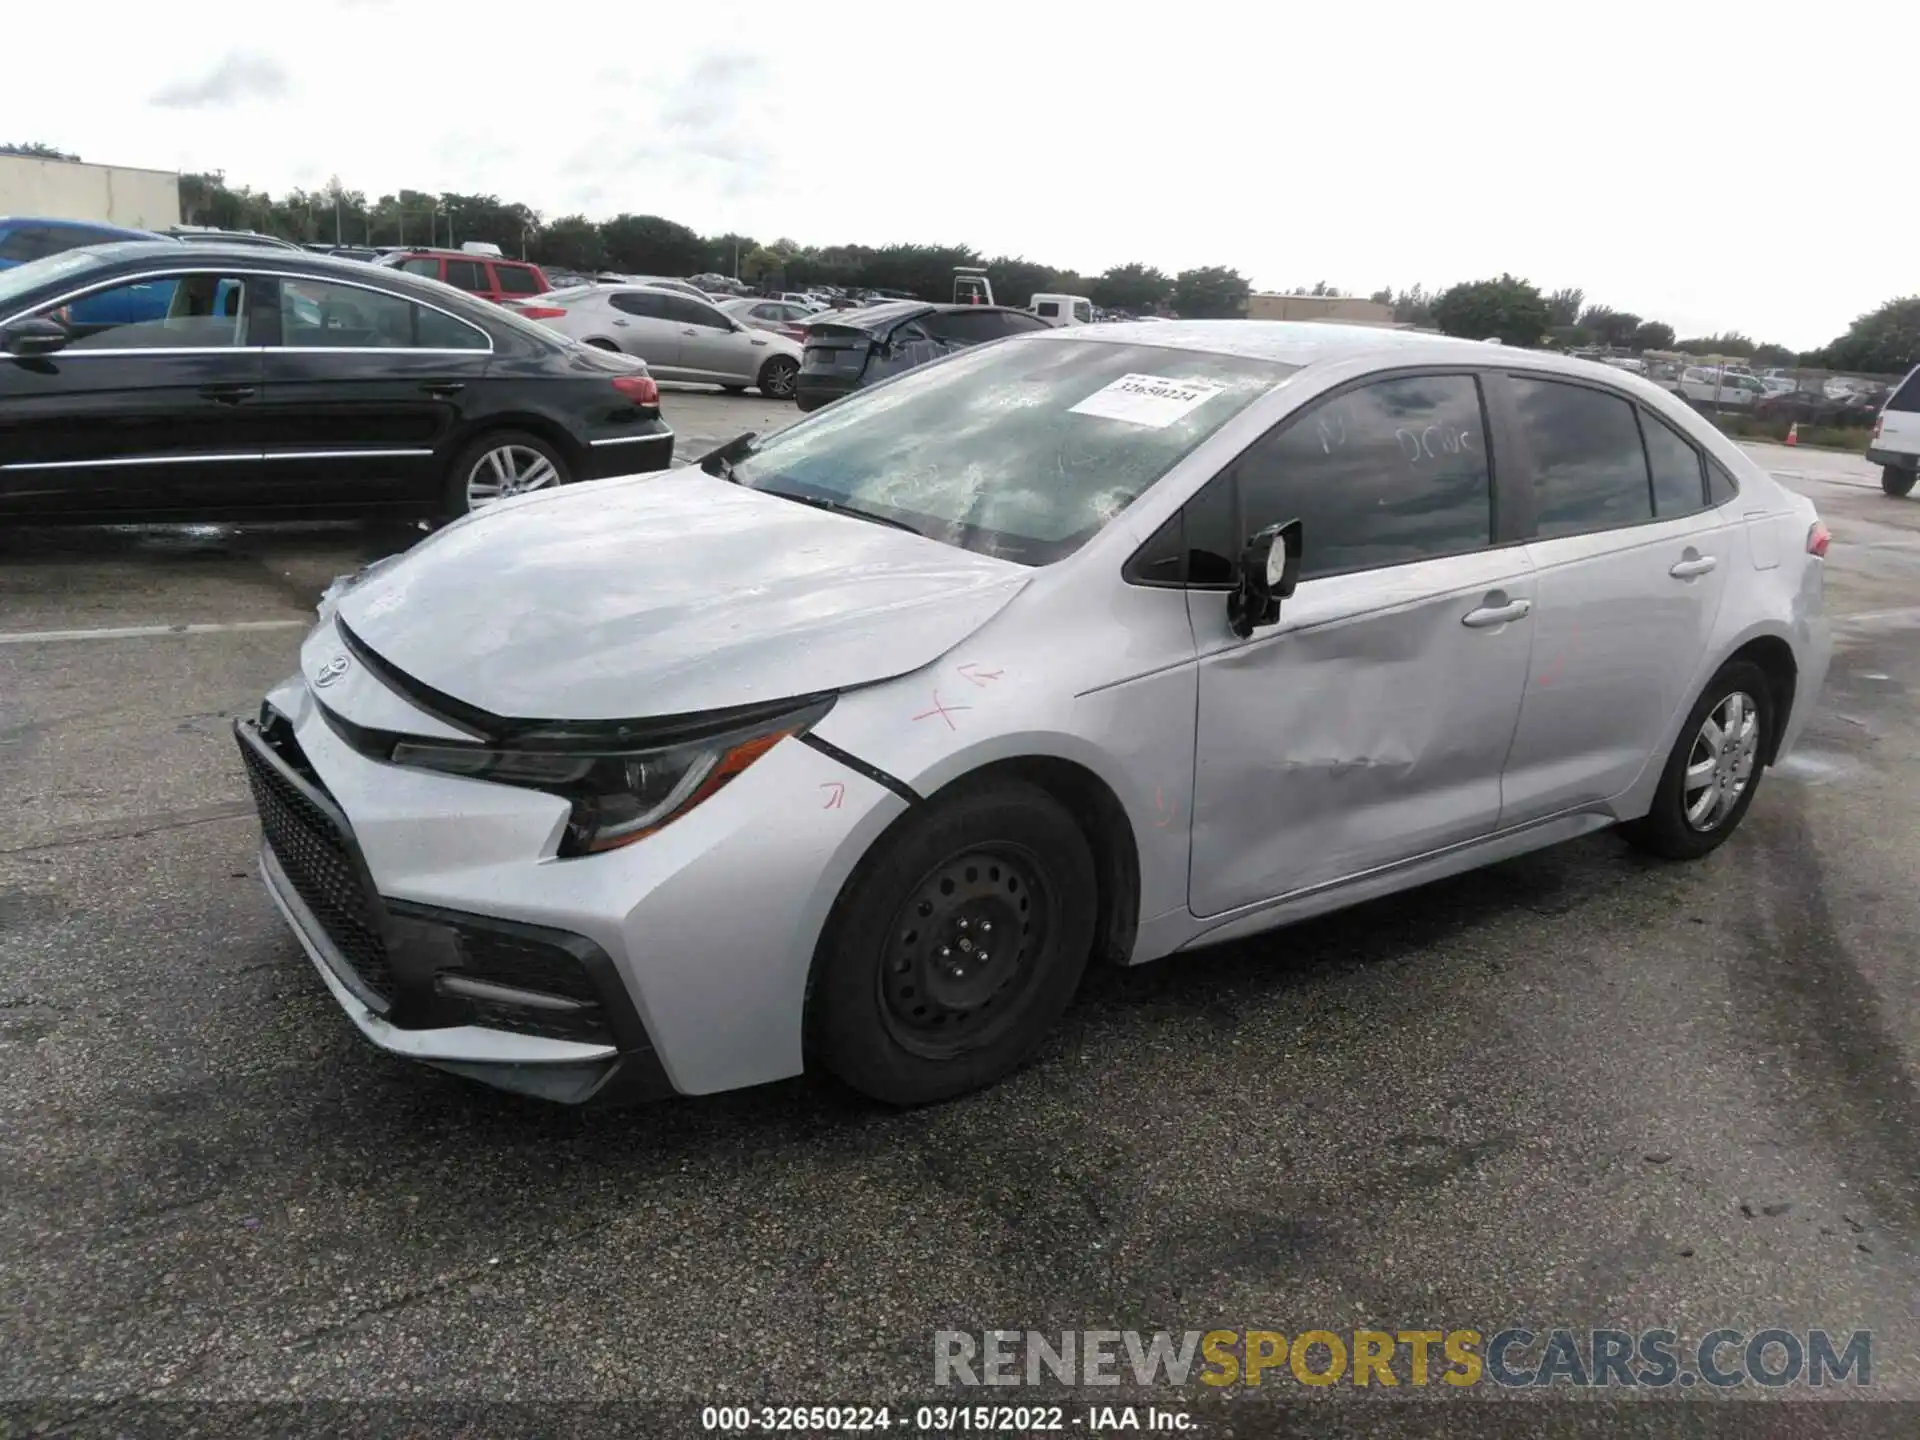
column 666, row 595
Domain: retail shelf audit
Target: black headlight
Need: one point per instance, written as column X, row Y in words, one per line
column 620, row 791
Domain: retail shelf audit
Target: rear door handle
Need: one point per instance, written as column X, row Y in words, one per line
column 623, row 322
column 1488, row 615
column 1687, row 569
column 689, row 332
column 443, row 388
column 229, row 394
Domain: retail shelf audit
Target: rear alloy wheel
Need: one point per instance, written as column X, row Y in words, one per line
column 499, row 466
column 778, row 377
column 1896, row 482
column 1714, row 768
column 955, row 947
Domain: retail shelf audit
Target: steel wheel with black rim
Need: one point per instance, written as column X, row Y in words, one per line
column 778, row 377
column 1714, row 768
column 500, row 466
column 955, row 946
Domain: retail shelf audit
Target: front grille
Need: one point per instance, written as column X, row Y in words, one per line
column 314, row 854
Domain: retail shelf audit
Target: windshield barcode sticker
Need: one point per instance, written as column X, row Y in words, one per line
column 1147, row 399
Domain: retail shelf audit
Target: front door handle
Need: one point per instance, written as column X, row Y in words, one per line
column 1488, row 615
column 228, row 394
column 689, row 331
column 1698, row 565
column 441, row 389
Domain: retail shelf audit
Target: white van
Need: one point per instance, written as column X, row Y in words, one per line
column 1062, row 309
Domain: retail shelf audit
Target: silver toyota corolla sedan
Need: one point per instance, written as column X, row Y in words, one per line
column 853, row 746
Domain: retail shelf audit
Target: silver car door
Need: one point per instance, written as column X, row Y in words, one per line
column 1371, row 723
column 642, row 325
column 1631, row 566
column 710, row 347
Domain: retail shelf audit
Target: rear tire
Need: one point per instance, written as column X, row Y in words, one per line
column 734, row 389
column 779, row 377
column 1707, row 786
column 914, row 997
column 1896, row 482
column 500, row 464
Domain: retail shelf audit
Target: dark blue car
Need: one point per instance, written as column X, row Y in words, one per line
column 24, row 238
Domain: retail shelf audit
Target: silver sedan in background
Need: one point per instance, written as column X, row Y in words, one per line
column 680, row 337
column 853, row 746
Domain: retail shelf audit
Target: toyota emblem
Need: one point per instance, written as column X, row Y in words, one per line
column 331, row 671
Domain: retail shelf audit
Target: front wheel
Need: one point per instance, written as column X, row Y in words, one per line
column 778, row 377
column 1714, row 768
column 499, row 466
column 955, row 946
column 1896, row 482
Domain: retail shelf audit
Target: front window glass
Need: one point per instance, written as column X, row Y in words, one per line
column 173, row 312
column 1023, row 451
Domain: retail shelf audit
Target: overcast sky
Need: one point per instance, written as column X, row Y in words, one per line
column 1725, row 166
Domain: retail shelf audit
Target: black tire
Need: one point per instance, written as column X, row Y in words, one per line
column 1665, row 829
column 455, row 499
column 1896, row 482
column 779, row 377
column 734, row 389
column 894, row 1011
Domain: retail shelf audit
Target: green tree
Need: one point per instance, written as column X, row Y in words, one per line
column 650, row 245
column 763, row 266
column 1606, row 325
column 1133, row 287
column 1652, row 335
column 1410, row 307
column 1210, row 292
column 1563, row 306
column 1733, row 343
column 34, row 149
column 1508, row 309
column 1885, row 341
column 1773, row 355
column 1016, row 279
column 571, row 242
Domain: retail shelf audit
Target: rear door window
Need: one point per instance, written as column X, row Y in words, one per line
column 650, row 304
column 467, row 275
column 516, row 280
column 1590, row 470
column 426, row 265
column 1679, row 486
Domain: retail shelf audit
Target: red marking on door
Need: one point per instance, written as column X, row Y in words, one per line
column 978, row 676
column 839, row 793
column 1164, row 816
column 945, row 712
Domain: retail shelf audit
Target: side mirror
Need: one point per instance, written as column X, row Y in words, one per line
column 36, row 335
column 1269, row 571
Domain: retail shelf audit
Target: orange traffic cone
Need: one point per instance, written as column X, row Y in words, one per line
column 1793, row 433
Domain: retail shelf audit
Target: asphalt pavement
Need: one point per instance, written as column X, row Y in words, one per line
column 1577, row 1089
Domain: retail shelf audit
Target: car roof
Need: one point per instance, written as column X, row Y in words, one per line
column 453, row 254
column 98, row 226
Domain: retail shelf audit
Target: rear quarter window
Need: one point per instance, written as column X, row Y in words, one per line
column 517, row 280
column 1907, row 397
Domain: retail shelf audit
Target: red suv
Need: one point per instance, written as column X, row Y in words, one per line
column 488, row 276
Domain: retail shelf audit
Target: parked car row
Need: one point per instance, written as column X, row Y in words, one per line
column 154, row 380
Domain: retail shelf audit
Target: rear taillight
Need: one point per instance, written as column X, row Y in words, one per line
column 640, row 389
column 1817, row 540
column 540, row 312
